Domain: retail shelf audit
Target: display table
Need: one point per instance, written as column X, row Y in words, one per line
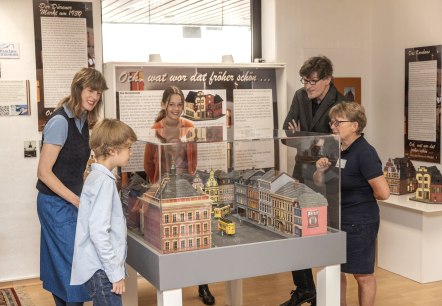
column 171, row 272
column 410, row 238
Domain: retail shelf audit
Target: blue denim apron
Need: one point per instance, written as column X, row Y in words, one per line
column 58, row 220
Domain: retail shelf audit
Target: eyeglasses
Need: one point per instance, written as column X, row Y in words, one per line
column 311, row 82
column 337, row 123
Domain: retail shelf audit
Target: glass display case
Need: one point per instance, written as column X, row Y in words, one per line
column 210, row 187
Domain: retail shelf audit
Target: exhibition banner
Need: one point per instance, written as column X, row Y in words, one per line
column 235, row 99
column 64, row 43
column 247, row 94
column 423, row 103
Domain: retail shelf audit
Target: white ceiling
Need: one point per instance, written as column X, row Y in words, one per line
column 183, row 12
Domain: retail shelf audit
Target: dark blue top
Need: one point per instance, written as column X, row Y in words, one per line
column 72, row 159
column 362, row 163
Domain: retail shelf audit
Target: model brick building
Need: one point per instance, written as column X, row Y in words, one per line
column 176, row 216
column 429, row 185
column 242, row 190
column 269, row 183
column 400, row 175
column 203, row 106
column 299, row 210
column 295, row 208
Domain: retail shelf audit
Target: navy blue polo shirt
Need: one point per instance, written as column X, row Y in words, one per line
column 359, row 164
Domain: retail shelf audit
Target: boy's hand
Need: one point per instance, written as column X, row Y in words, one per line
column 119, row 287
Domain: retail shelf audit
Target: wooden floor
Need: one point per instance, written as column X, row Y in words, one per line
column 272, row 290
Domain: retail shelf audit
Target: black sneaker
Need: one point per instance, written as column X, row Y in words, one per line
column 298, row 298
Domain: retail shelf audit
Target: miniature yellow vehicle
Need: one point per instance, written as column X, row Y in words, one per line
column 227, row 226
column 220, row 212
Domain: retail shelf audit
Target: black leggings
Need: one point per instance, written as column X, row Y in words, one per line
column 60, row 302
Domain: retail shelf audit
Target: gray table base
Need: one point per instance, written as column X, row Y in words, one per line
column 326, row 252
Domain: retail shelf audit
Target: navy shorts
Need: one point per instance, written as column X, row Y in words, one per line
column 361, row 239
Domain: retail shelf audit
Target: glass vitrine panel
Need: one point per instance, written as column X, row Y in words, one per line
column 197, row 188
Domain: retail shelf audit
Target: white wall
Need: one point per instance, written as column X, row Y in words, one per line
column 397, row 25
column 19, row 225
column 338, row 29
column 363, row 38
column 335, row 28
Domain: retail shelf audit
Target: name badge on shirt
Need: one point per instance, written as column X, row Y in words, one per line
column 341, row 164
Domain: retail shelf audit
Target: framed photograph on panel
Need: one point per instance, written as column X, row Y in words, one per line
column 349, row 87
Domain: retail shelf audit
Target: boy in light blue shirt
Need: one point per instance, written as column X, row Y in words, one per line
column 100, row 238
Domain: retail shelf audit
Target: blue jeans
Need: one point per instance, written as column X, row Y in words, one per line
column 99, row 288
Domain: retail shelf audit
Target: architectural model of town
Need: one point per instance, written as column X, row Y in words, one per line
column 177, row 214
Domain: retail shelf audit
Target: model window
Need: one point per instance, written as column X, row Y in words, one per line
column 198, row 242
column 183, row 244
column 206, row 241
column 166, row 218
column 166, row 232
column 174, row 231
column 289, row 228
column 183, row 228
column 197, row 215
column 175, row 245
column 182, row 217
column 173, row 217
column 206, row 214
column 190, row 243
column 190, row 229
column 198, row 228
column 205, row 227
column 189, row 216
column 167, row 246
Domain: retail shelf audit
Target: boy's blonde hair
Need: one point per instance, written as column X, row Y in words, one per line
column 110, row 134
